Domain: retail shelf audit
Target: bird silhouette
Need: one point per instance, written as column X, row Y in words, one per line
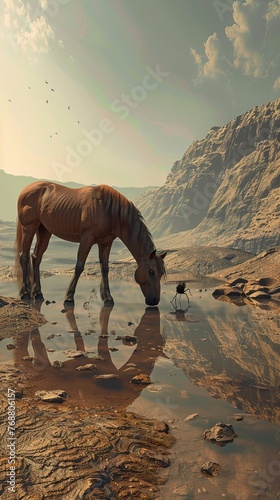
column 69, row 108
column 9, row 100
column 47, row 102
column 29, row 87
column 56, row 133
column 52, row 90
column 46, row 81
column 78, row 121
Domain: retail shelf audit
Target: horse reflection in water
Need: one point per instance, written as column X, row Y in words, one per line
column 89, row 215
column 117, row 391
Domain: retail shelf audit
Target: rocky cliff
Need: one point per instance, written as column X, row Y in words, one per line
column 226, row 188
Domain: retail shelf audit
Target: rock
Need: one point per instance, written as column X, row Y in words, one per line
column 27, row 358
column 252, row 287
column 238, row 418
column 47, row 302
column 50, row 350
column 106, row 376
column 55, row 396
column 190, row 417
column 228, row 217
column 3, row 303
column 210, row 469
column 238, row 281
column 220, row 434
column 113, row 349
column 275, row 290
column 260, row 295
column 58, row 364
column 51, row 336
column 89, row 366
column 218, row 292
column 129, row 340
column 130, row 323
column 141, row 379
column 54, row 323
column 118, row 337
column 71, row 353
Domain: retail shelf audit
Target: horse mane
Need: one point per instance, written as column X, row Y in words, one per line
column 126, row 213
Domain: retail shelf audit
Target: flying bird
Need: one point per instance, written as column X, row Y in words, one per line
column 47, row 102
column 9, row 100
column 69, row 108
column 56, row 133
column 46, row 81
column 29, row 87
column 52, row 90
column 78, row 121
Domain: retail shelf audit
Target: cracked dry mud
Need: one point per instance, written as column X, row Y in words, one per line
column 72, row 451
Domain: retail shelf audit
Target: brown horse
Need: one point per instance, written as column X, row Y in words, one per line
column 87, row 215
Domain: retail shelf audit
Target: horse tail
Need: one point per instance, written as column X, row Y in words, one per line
column 18, row 248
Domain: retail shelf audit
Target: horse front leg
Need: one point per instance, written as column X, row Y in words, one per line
column 83, row 251
column 104, row 252
column 43, row 238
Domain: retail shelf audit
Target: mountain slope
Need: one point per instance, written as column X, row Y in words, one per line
column 226, row 188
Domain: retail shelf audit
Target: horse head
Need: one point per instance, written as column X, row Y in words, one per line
column 148, row 274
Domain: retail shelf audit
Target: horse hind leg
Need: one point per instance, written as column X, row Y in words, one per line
column 24, row 259
column 43, row 238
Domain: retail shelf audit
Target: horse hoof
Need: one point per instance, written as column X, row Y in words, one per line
column 108, row 302
column 68, row 302
column 39, row 297
column 25, row 296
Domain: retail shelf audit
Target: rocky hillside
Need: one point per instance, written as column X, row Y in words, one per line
column 226, row 188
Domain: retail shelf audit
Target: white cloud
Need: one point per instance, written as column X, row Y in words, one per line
column 276, row 85
column 273, row 10
column 211, row 64
column 246, row 36
column 250, row 46
column 29, row 28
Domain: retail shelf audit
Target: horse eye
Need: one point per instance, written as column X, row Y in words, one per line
column 151, row 272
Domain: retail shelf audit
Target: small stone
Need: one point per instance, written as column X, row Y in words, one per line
column 89, row 366
column 161, row 427
column 191, row 417
column 141, row 379
column 51, row 336
column 113, row 349
column 58, row 364
column 11, row 346
column 27, row 358
column 47, row 302
column 58, row 334
column 56, row 396
column 71, row 353
column 50, row 350
column 130, row 323
column 103, row 336
column 220, row 434
column 238, row 418
column 210, row 469
column 118, row 337
column 129, row 340
column 54, row 323
column 237, row 281
column 106, row 376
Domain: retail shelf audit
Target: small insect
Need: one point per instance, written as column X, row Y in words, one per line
column 181, row 289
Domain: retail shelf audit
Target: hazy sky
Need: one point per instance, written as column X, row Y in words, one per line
column 144, row 79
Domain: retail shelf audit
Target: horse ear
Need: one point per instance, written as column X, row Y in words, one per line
column 152, row 254
column 163, row 254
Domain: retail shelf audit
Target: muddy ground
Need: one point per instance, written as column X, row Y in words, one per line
column 72, row 450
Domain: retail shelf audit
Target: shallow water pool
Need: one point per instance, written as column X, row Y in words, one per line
column 213, row 358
